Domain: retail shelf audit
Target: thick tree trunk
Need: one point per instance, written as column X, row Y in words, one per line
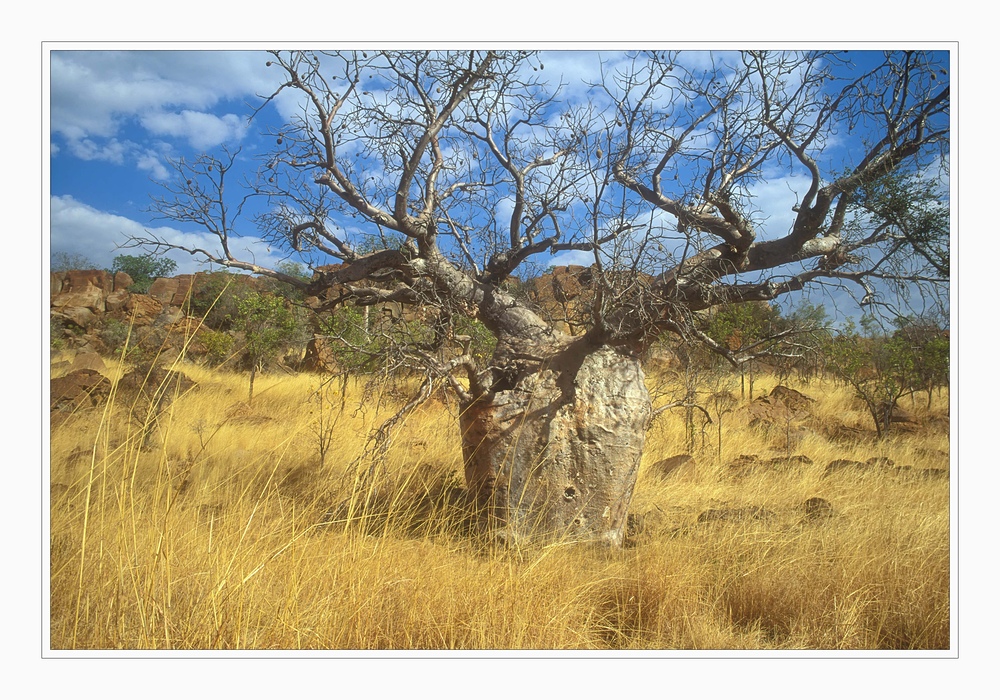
column 557, row 455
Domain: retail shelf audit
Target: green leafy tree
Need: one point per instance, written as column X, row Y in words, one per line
column 747, row 331
column 266, row 324
column 143, row 269
column 881, row 369
column 930, row 347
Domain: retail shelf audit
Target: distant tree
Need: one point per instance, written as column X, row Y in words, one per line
column 930, row 347
column 143, row 269
column 62, row 261
column 748, row 331
column 811, row 329
column 880, row 368
column 266, row 324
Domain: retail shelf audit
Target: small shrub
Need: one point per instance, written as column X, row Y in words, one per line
column 218, row 346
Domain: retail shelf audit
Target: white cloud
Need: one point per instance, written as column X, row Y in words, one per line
column 93, row 92
column 112, row 151
column 572, row 257
column 96, row 96
column 200, row 129
column 80, row 229
column 150, row 162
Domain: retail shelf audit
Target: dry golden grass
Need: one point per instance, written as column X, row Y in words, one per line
column 229, row 534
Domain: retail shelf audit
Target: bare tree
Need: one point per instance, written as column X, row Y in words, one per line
column 431, row 177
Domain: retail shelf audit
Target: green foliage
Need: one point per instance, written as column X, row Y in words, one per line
column 911, row 209
column 738, row 326
column 143, row 269
column 880, row 368
column 284, row 289
column 266, row 324
column 350, row 342
column 483, row 341
column 214, row 296
column 218, row 346
column 63, row 261
column 114, row 335
column 930, row 347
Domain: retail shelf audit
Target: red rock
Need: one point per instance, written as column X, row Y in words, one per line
column 143, row 307
column 117, row 300
column 123, row 281
column 163, row 289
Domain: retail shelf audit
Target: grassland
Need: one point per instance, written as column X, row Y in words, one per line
column 227, row 531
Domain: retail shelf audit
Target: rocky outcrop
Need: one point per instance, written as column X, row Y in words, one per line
column 319, row 357
column 172, row 291
column 78, row 295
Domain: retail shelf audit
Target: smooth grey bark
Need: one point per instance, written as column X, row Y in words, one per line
column 557, row 455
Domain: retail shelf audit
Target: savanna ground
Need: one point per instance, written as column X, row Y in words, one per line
column 227, row 530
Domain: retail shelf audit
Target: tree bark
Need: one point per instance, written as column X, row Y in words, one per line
column 557, row 455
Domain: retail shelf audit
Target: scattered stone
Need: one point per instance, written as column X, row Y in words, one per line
column 817, row 508
column 795, row 400
column 88, row 360
column 80, row 388
column 880, row 462
column 929, row 473
column 668, row 466
column 842, row 464
column 745, row 514
column 780, row 407
column 787, row 462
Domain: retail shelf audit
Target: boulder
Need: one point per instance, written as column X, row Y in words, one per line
column 781, row 406
column 163, row 290
column 795, row 400
column 817, row 508
column 319, row 357
column 81, row 298
column 172, row 291
column 77, row 315
column 183, row 293
column 668, row 466
column 122, row 281
column 143, row 307
column 117, row 300
column 78, row 280
column 88, row 360
column 79, row 389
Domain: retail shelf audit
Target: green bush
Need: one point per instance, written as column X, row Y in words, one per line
column 143, row 269
column 218, row 346
column 114, row 335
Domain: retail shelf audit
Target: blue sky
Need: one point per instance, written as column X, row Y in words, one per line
column 119, row 117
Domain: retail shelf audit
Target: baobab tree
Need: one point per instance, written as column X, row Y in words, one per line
column 431, row 177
